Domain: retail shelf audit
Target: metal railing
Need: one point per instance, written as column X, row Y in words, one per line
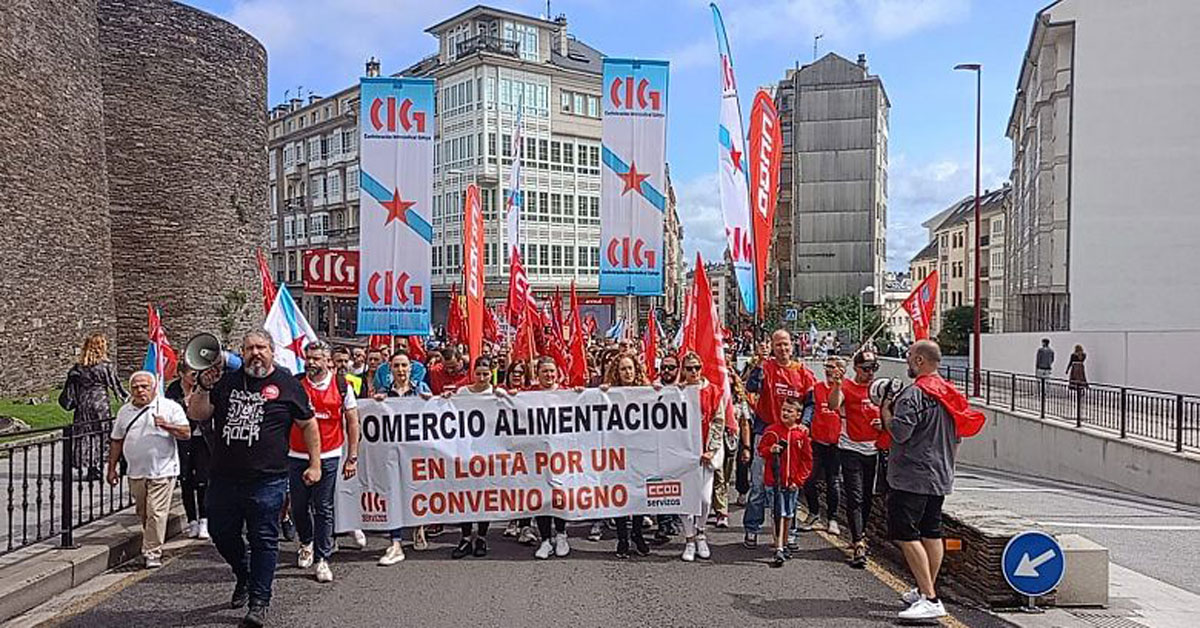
column 1166, row 417
column 55, row 484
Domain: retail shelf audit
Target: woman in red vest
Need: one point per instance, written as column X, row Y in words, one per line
column 825, row 430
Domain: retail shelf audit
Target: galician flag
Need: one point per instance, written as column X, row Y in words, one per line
column 289, row 330
column 733, row 176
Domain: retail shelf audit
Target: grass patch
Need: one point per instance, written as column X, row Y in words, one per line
column 37, row 416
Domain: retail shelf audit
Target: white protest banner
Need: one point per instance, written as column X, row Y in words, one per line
column 575, row 455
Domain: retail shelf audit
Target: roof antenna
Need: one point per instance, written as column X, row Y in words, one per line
column 816, row 38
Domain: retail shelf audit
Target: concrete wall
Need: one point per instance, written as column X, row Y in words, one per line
column 1020, row 444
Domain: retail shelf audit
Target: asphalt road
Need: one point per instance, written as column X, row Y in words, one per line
column 509, row 588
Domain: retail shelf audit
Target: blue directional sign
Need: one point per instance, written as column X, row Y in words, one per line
column 1033, row 563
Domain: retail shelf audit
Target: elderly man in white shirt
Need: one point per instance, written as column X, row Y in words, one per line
column 145, row 430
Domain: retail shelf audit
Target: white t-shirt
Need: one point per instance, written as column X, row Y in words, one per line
column 150, row 451
column 463, row 390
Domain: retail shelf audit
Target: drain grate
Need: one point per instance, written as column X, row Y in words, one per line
column 1108, row 619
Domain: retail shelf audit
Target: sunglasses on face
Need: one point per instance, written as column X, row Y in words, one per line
column 870, row 368
column 669, row 367
column 692, row 369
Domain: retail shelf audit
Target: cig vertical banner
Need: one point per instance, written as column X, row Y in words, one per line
column 633, row 182
column 395, row 233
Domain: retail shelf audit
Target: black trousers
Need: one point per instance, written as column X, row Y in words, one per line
column 466, row 529
column 544, row 523
column 827, row 470
column 858, row 478
column 623, row 525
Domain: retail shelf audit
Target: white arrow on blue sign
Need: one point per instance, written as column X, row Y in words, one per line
column 1033, row 563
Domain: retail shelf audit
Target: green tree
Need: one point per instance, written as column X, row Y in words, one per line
column 842, row 314
column 957, row 325
column 231, row 312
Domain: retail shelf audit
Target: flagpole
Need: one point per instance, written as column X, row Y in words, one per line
column 882, row 324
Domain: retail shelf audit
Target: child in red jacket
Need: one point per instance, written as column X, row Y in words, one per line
column 787, row 450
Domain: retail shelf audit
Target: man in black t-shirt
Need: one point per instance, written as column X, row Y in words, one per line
column 252, row 411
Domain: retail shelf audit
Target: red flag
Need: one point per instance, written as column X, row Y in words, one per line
column 473, row 271
column 519, row 295
column 524, row 347
column 268, row 284
column 416, row 349
column 456, row 325
column 165, row 359
column 377, row 341
column 556, row 313
column 491, row 329
column 919, row 305
column 687, row 332
column 578, row 373
column 651, row 347
column 589, row 326
column 766, row 154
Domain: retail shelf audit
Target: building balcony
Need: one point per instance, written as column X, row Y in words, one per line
column 294, row 204
column 487, row 43
column 318, row 201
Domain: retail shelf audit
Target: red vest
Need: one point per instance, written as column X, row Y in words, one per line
column 793, row 380
column 826, row 424
column 327, row 411
column 859, row 411
column 967, row 422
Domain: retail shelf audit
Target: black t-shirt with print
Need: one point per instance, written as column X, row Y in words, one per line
column 252, row 418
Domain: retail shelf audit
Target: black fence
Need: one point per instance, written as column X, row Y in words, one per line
column 56, row 483
column 1169, row 418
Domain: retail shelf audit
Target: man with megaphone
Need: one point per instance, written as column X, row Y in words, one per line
column 252, row 410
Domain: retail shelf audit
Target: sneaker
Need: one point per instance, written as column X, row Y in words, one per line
column 513, row 530
column 779, row 558
column 193, row 528
column 435, row 531
column 597, row 532
column 527, row 536
column 289, row 530
column 911, row 596
column 464, row 548
column 859, row 559
column 647, row 522
column 808, row 524
column 241, row 594
column 304, row 558
column 750, row 541
column 702, row 549
column 923, row 609
column 544, row 550
column 833, row 527
column 256, row 617
column 793, row 543
column 723, row 521
column 661, row 537
column 153, row 562
column 640, row 547
column 202, row 530
column 622, row 549
column 393, row 555
column 561, row 548
column 480, row 549
column 689, row 552
column 324, row 573
column 360, row 539
column 419, row 542
column 741, row 499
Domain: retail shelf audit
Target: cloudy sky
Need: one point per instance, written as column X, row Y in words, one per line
column 320, row 46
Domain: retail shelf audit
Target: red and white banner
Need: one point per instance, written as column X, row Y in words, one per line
column 576, row 455
column 920, row 304
column 766, row 154
column 331, row 271
column 473, row 270
column 520, row 296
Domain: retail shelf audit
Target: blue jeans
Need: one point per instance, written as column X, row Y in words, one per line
column 312, row 506
column 756, row 499
column 252, row 504
column 784, row 501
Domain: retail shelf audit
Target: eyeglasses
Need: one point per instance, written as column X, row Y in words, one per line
column 669, row 367
column 870, row 368
column 692, row 369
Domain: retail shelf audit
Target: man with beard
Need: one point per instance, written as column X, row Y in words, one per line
column 252, row 412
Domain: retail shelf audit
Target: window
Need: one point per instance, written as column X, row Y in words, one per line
column 569, row 256
column 273, row 234
column 555, row 152
column 301, row 224
column 314, row 148
column 578, row 106
column 271, row 162
column 593, row 106
column 316, row 187
column 526, row 38
column 349, row 141
column 556, row 259
column 320, row 225
column 335, row 143
column 272, row 192
column 565, row 101
column 997, row 226
column 568, row 153
column 352, row 182
column 333, row 185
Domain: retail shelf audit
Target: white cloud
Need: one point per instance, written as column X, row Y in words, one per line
column 699, row 207
column 893, row 19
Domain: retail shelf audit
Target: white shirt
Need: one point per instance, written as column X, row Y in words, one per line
column 463, row 390
column 150, row 451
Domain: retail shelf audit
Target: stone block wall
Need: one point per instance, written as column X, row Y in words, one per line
column 55, row 254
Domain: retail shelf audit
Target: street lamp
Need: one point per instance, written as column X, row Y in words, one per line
column 978, row 70
column 861, row 294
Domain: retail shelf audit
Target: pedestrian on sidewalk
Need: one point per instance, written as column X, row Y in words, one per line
column 1076, row 374
column 86, row 393
column 252, row 412
column 1045, row 359
column 145, row 432
column 789, row 449
column 194, row 459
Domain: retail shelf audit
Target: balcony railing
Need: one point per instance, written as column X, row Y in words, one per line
column 294, row 204
column 487, row 43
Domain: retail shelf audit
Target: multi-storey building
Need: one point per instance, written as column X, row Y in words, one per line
column 488, row 63
column 1104, row 228
column 830, row 239
column 896, row 288
column 920, row 267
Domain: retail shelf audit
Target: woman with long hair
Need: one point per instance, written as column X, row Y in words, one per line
column 625, row 370
column 402, row 386
column 517, row 379
column 712, row 445
column 86, row 392
column 553, row 530
column 1076, row 373
column 474, row 544
column 194, row 456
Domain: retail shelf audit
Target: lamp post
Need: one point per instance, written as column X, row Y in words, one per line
column 975, row 343
column 861, row 294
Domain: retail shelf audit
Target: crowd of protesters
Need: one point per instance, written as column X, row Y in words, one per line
column 258, row 451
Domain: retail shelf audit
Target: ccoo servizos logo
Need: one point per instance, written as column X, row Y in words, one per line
column 403, row 114
column 662, row 493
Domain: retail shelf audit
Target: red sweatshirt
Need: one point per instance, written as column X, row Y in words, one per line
column 795, row 462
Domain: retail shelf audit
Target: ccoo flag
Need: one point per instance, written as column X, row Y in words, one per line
column 473, row 271
column 919, row 305
column 633, row 176
column 766, row 154
column 731, row 171
column 396, row 179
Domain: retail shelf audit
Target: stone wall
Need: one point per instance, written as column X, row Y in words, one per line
column 185, row 126
column 55, row 259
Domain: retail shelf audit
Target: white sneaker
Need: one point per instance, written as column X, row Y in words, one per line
column 360, row 539
column 544, row 550
column 833, row 528
column 393, row 555
column 528, row 536
column 702, row 549
column 923, row 609
column 561, row 548
column 304, row 558
column 597, row 532
column 512, row 530
column 911, row 596
column 689, row 552
column 193, row 528
column 153, row 562
column 202, row 530
column 324, row 573
column 419, row 541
